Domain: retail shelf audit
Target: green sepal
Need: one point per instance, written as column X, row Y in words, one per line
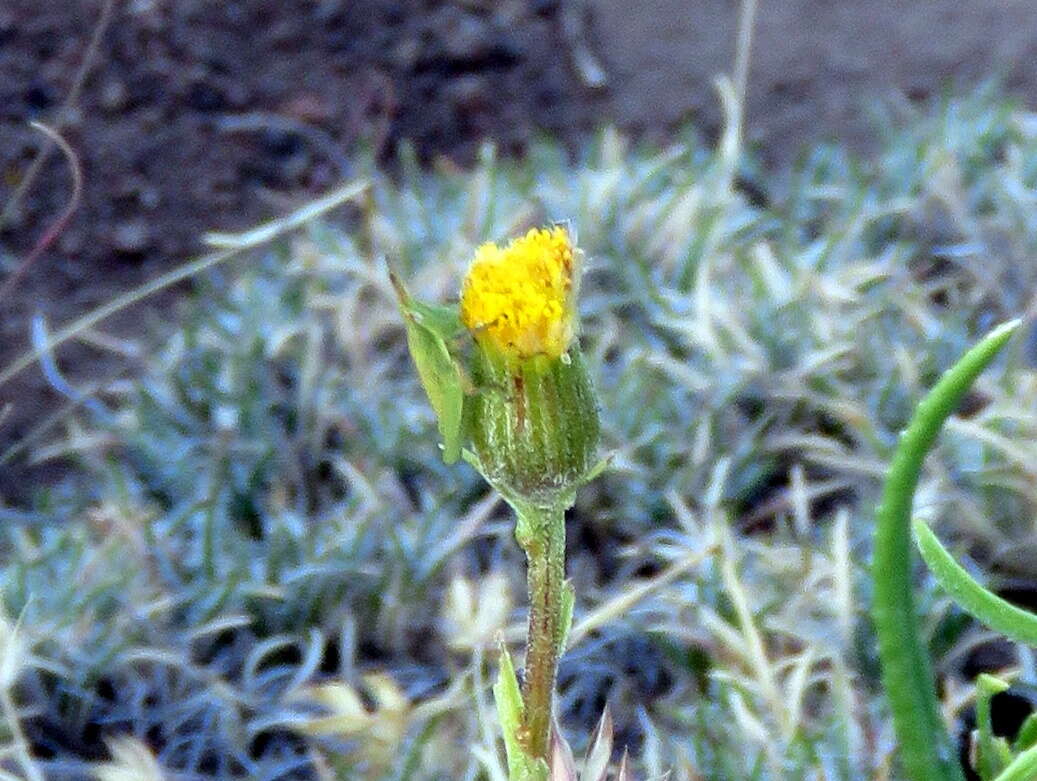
column 508, row 696
column 598, row 468
column 430, row 332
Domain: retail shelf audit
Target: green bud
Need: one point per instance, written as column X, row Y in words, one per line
column 534, row 425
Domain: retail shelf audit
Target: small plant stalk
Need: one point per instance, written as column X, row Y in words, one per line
column 523, row 401
column 542, row 537
column 925, row 747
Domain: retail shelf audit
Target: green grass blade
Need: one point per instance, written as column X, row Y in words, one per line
column 987, row 608
column 993, row 754
column 925, row 748
column 1023, row 768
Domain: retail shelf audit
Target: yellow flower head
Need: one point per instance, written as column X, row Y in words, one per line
column 518, row 298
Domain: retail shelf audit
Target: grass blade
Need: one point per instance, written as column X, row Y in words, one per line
column 925, row 747
column 986, row 607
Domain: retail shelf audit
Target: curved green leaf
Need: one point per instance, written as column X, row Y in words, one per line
column 1023, row 767
column 986, row 607
column 508, row 696
column 925, row 748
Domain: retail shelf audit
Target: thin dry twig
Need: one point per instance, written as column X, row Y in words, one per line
column 62, row 221
column 232, row 245
column 78, row 81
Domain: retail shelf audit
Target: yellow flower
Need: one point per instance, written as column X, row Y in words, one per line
column 518, row 298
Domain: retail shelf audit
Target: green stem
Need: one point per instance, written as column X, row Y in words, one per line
column 541, row 533
column 1023, row 767
column 925, row 747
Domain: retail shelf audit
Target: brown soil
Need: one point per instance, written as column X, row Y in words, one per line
column 817, row 66
column 200, row 115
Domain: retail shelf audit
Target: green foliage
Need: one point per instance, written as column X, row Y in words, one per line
column 506, row 692
column 906, row 670
column 992, row 752
column 430, row 332
column 988, row 608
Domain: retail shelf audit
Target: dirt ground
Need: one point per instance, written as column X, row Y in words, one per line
column 200, row 115
column 818, row 66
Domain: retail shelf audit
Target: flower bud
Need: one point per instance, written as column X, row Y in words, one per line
column 534, row 421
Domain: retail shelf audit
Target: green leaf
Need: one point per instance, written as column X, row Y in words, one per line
column 430, row 331
column 508, row 696
column 991, row 752
column 1022, row 768
column 986, row 607
column 925, row 747
column 1027, row 735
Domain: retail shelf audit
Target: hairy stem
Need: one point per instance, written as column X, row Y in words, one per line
column 907, row 678
column 542, row 536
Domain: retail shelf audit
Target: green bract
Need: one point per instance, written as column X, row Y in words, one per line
column 535, row 431
column 430, row 332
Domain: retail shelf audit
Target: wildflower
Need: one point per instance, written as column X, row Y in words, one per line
column 525, row 404
column 517, row 300
column 131, row 760
column 475, row 612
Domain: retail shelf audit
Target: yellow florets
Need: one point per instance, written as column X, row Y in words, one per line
column 518, row 298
